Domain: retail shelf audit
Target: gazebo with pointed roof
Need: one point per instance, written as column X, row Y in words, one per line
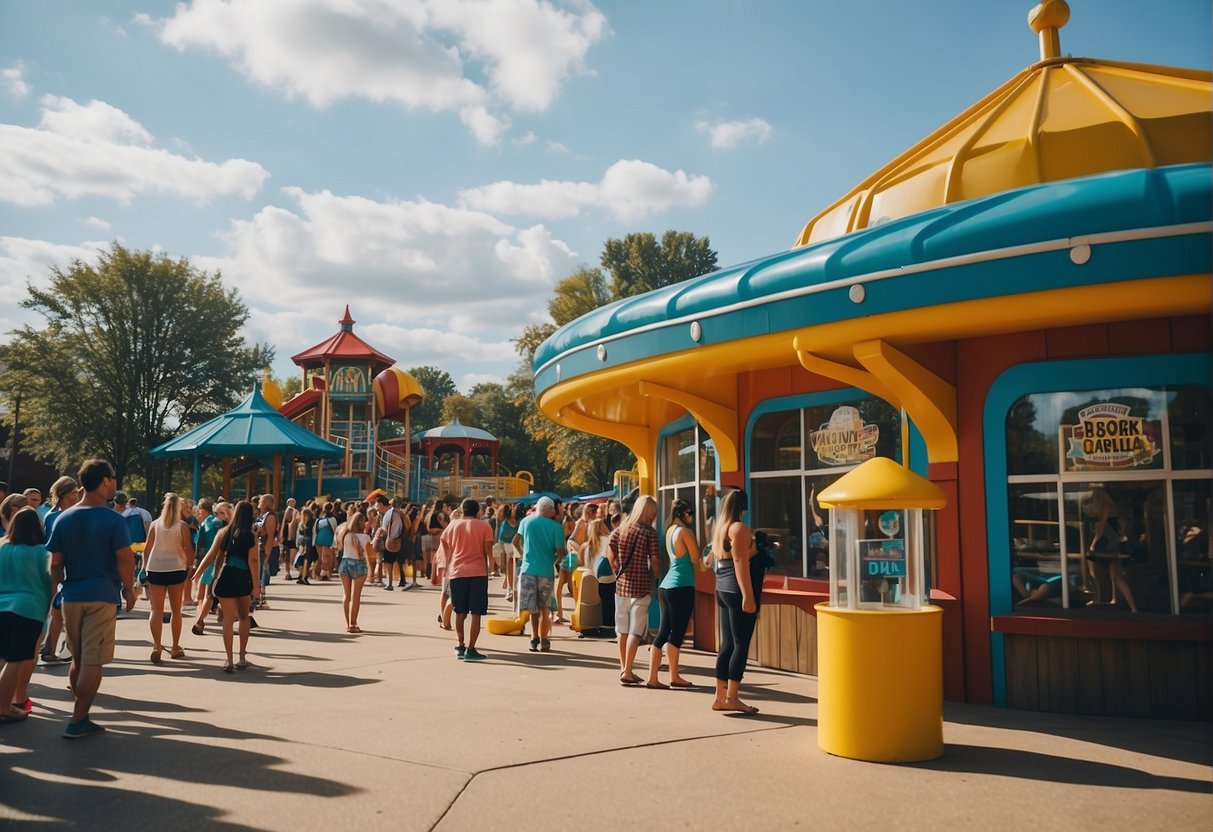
column 468, row 440
column 253, row 430
column 343, row 344
column 338, row 401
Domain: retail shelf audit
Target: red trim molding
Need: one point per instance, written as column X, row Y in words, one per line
column 1142, row 628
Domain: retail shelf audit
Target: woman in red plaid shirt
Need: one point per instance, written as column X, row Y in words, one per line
column 634, row 559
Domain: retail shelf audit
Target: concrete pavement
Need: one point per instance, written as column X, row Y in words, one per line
column 387, row 730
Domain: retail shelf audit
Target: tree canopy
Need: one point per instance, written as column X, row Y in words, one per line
column 136, row 348
column 437, row 385
column 636, row 264
column 639, row 264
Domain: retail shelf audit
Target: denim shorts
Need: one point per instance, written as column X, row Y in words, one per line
column 352, row 568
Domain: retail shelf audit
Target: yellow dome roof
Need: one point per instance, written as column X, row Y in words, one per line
column 882, row 483
column 1057, row 119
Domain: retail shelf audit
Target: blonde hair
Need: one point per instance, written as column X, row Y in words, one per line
column 732, row 507
column 645, row 505
column 171, row 512
column 595, row 533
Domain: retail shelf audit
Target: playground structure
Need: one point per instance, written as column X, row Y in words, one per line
column 349, row 389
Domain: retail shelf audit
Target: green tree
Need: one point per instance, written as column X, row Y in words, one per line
column 437, row 385
column 459, row 406
column 639, row 264
column 583, row 291
column 135, row 349
column 501, row 411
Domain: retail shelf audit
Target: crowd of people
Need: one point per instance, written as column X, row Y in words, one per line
column 73, row 564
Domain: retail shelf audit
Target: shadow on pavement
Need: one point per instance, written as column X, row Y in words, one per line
column 1032, row 765
column 79, row 782
column 1190, row 742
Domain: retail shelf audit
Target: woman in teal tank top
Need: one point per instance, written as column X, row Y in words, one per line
column 675, row 594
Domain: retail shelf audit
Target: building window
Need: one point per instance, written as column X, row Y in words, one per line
column 688, row 470
column 1109, row 500
column 794, row 454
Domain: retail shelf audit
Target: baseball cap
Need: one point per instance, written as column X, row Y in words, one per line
column 544, row 505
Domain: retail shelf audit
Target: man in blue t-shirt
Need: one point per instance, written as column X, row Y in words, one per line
column 540, row 541
column 91, row 556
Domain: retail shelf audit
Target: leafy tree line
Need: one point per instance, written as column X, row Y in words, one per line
column 563, row 459
column 138, row 347
column 133, row 349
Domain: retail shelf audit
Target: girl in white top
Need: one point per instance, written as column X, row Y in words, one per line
column 354, row 542
column 168, row 558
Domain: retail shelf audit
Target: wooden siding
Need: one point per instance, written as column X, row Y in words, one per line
column 1109, row 677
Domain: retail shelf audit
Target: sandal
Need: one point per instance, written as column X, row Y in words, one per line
column 629, row 680
column 198, row 629
column 227, row 668
column 242, row 664
column 656, row 686
column 178, row 653
column 353, row 629
column 682, row 684
column 156, row 651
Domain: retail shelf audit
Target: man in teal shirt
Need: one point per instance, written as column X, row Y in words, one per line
column 540, row 540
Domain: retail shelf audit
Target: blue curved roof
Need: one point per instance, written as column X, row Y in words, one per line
column 252, row 428
column 923, row 260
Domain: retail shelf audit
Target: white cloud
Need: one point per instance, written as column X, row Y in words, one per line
column 423, row 54
column 24, row 261
column 727, row 135
column 438, row 267
column 557, row 147
column 629, row 189
column 97, row 222
column 526, row 138
column 98, row 150
column 12, row 78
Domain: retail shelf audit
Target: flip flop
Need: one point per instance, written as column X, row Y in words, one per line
column 682, row 684
column 629, row 681
column 745, row 710
column 656, row 686
column 198, row 629
column 178, row 653
column 242, row 664
column 156, row 654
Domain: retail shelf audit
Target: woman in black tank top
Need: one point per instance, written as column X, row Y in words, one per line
column 738, row 588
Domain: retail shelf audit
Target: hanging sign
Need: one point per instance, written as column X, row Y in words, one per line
column 1107, row 438
column 845, row 439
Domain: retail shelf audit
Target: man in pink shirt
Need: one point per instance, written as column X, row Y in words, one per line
column 468, row 541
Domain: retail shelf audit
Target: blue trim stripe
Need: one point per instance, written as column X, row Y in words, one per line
column 809, row 286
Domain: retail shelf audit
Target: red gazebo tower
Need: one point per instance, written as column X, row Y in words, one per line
column 338, row 400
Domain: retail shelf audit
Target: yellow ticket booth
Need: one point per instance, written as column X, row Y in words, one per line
column 880, row 645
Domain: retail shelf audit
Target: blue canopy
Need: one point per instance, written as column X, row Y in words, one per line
column 253, row 428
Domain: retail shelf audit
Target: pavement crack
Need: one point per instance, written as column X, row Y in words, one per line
column 595, row 753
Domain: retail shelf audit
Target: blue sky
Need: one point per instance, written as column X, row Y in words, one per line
column 440, row 164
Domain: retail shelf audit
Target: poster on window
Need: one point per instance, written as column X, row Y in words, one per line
column 882, row 558
column 1108, row 438
column 845, row 439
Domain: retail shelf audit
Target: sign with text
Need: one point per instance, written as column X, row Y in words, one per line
column 845, row 439
column 1107, row 438
column 882, row 558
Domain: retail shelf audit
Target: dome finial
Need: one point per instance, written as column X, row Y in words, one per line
column 1046, row 19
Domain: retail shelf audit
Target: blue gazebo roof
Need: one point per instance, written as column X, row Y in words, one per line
column 253, row 428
